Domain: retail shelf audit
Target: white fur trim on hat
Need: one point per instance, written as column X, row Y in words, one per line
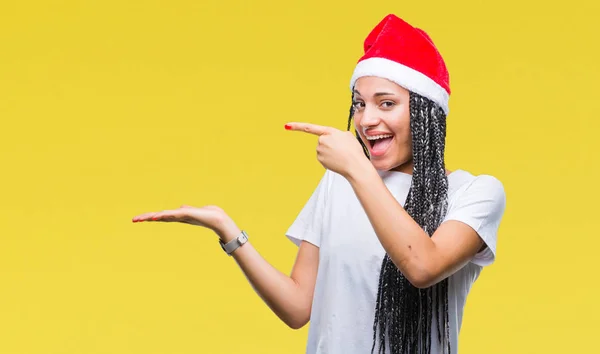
column 404, row 76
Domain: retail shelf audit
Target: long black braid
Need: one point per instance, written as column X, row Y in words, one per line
column 404, row 313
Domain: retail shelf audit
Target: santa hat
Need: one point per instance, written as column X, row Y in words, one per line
column 403, row 54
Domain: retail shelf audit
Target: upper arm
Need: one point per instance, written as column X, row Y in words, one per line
column 456, row 243
column 304, row 273
column 469, row 231
column 306, row 231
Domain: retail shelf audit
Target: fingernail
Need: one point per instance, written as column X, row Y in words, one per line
column 288, row 127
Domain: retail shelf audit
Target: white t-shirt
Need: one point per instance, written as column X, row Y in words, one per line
column 350, row 256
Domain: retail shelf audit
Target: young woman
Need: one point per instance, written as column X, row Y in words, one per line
column 390, row 242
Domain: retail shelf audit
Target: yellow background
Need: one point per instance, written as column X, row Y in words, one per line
column 114, row 108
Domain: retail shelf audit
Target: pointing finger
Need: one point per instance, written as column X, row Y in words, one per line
column 310, row 128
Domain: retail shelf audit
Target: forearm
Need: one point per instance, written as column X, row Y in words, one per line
column 407, row 244
column 284, row 296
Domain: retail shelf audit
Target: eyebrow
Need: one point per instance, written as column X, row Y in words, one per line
column 377, row 94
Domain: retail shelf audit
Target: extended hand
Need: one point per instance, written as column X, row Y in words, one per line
column 211, row 217
column 338, row 150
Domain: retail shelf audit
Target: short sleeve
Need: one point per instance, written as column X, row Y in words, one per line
column 481, row 206
column 308, row 224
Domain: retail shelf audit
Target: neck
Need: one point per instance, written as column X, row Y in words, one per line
column 408, row 167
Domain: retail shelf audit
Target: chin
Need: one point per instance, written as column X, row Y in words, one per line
column 383, row 165
column 397, row 157
column 388, row 165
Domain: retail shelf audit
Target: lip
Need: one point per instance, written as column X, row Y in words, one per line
column 376, row 132
column 380, row 153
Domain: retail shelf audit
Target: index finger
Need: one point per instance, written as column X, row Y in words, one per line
column 309, row 128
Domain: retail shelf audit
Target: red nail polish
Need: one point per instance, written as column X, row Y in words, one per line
column 288, row 127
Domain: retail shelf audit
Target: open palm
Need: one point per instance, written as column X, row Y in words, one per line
column 211, row 217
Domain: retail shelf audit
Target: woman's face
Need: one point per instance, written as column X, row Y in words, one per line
column 382, row 119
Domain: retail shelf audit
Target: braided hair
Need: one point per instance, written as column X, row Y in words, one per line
column 404, row 313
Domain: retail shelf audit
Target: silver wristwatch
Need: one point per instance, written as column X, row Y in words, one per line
column 233, row 245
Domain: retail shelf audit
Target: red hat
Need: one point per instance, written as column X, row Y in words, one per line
column 404, row 54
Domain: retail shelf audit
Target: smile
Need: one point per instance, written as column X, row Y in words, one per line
column 379, row 144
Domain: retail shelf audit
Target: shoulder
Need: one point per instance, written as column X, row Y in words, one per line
column 482, row 192
column 331, row 179
column 482, row 185
column 326, row 187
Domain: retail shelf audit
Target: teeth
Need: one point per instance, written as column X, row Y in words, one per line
column 378, row 137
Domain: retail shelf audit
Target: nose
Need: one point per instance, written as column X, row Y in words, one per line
column 370, row 117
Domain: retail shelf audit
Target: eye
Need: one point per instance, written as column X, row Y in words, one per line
column 388, row 104
column 357, row 105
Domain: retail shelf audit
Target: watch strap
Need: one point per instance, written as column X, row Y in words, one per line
column 234, row 244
